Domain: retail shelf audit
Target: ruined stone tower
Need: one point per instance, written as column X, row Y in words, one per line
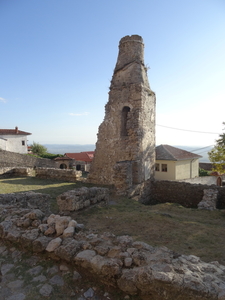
column 125, row 150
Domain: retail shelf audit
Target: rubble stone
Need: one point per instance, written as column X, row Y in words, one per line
column 81, row 198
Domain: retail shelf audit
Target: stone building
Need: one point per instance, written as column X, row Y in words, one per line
column 125, row 149
column 80, row 161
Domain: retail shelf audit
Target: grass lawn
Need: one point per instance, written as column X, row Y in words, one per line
column 184, row 230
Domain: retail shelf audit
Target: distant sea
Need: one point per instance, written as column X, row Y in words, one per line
column 68, row 148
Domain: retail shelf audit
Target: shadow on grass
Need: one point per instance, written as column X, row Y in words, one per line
column 32, row 181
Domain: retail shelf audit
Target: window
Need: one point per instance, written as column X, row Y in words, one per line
column 125, row 112
column 78, row 167
column 164, row 167
column 23, row 143
column 157, row 167
column 63, row 166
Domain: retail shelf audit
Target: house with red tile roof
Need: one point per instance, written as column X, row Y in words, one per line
column 175, row 164
column 14, row 140
column 81, row 161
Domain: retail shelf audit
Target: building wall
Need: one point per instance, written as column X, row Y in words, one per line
column 195, row 168
column 14, row 143
column 186, row 169
column 170, row 174
column 178, row 170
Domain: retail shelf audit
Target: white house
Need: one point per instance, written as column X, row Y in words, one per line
column 175, row 164
column 13, row 140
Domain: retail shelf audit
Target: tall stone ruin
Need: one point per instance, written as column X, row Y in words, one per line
column 125, row 149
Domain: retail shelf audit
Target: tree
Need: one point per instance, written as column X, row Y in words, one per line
column 221, row 140
column 217, row 154
column 38, row 149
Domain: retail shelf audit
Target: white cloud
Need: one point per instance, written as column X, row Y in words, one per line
column 2, row 100
column 80, row 114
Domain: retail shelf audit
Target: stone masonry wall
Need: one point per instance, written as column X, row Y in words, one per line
column 186, row 194
column 15, row 172
column 59, row 174
column 126, row 137
column 77, row 199
column 12, row 159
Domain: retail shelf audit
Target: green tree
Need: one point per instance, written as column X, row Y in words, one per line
column 217, row 154
column 38, row 149
column 221, row 140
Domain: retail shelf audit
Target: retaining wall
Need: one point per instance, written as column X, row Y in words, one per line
column 12, row 159
column 186, row 194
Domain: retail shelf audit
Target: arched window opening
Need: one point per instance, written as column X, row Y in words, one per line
column 125, row 111
column 63, row 166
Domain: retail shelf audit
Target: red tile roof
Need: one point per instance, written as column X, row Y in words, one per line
column 62, row 158
column 166, row 152
column 214, row 174
column 13, row 132
column 82, row 156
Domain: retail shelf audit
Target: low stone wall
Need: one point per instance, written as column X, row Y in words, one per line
column 135, row 268
column 16, row 172
column 186, row 194
column 209, row 200
column 12, row 159
column 59, row 174
column 81, row 198
column 209, row 180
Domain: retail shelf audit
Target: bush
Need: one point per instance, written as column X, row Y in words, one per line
column 51, row 156
column 203, row 172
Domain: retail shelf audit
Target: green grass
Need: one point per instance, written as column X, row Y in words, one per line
column 184, row 230
column 45, row 186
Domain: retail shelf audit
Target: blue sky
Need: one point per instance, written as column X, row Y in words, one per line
column 57, row 59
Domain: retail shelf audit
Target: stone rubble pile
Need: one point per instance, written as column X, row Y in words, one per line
column 81, row 198
column 209, row 199
column 131, row 266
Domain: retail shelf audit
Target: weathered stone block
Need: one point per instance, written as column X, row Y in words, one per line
column 80, row 198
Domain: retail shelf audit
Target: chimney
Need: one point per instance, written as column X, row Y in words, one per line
column 16, row 129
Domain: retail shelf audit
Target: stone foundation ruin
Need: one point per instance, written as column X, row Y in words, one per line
column 59, row 174
column 125, row 150
column 77, row 199
column 132, row 267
